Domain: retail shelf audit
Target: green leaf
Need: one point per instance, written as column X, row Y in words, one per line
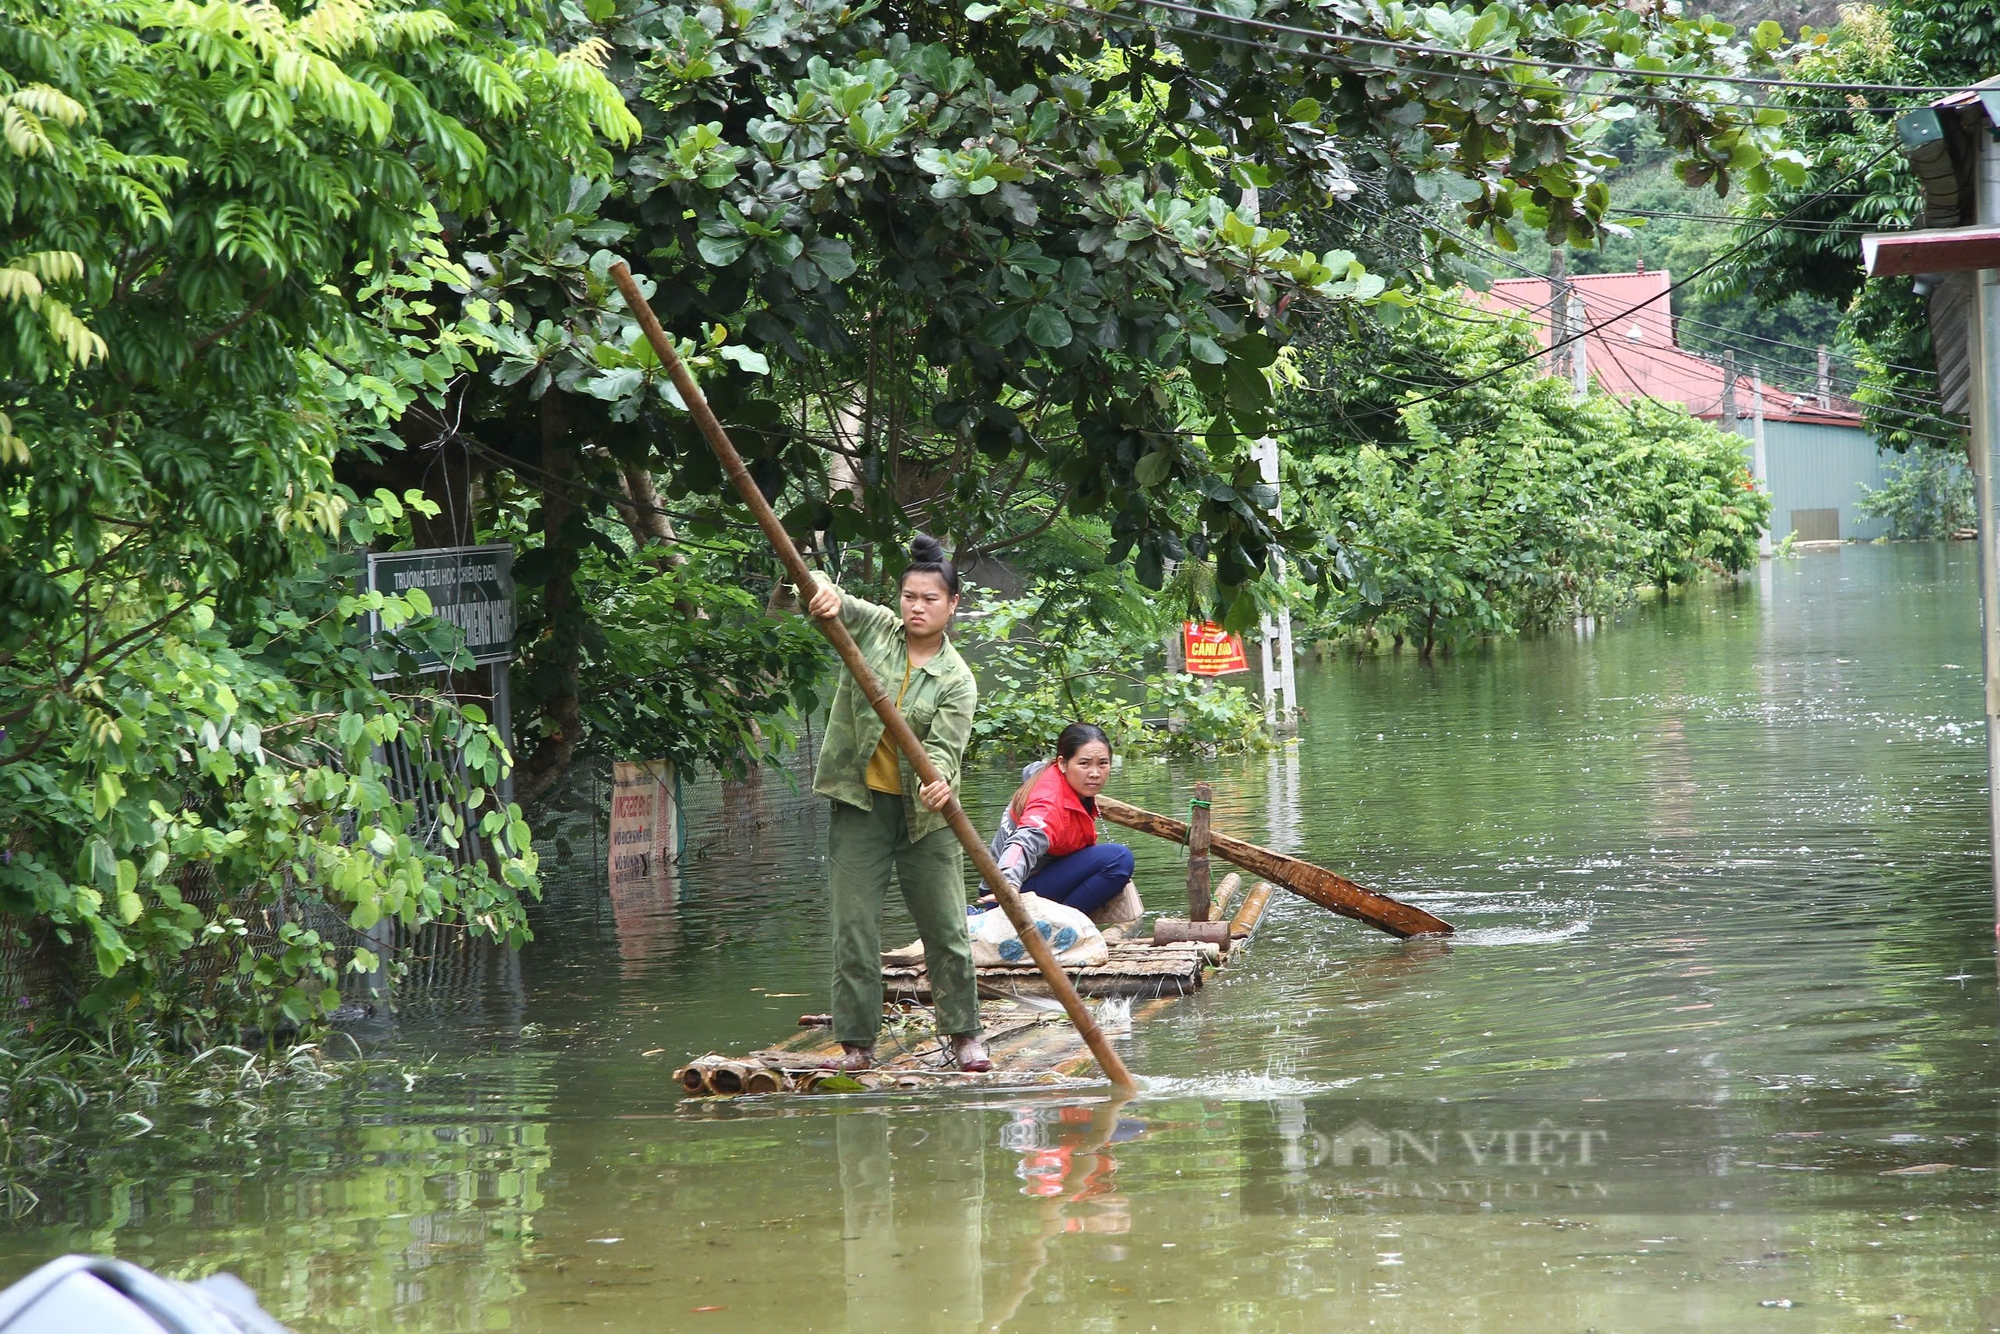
column 722, row 251
column 1153, row 468
column 1207, row 349
column 1048, row 328
column 834, row 258
column 746, row 358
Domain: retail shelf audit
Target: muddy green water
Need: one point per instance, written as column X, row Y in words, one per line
column 1725, row 971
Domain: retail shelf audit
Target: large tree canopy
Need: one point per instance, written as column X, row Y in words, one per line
column 971, row 268
column 278, row 282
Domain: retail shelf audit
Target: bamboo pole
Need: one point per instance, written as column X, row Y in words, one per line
column 1173, row 931
column 1317, row 883
column 857, row 666
column 1218, row 910
column 1252, row 911
column 726, row 1078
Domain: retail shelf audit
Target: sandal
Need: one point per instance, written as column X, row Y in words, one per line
column 853, row 1056
column 970, row 1053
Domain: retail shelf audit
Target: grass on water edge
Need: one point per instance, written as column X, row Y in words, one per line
column 70, row 1094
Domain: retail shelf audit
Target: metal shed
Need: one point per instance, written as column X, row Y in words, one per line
column 1815, row 472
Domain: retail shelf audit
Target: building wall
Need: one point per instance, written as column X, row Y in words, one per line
column 1815, row 467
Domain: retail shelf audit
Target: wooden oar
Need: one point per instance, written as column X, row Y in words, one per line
column 1302, row 878
column 892, row 717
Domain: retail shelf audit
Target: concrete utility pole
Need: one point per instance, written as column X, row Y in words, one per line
column 1277, row 630
column 1825, row 386
column 1758, row 463
column 1728, row 422
column 1579, row 351
column 1559, row 293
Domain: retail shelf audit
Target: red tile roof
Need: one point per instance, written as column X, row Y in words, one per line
column 1635, row 355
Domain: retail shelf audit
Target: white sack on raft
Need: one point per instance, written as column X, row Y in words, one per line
column 1072, row 937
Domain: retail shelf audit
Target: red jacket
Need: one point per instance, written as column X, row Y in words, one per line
column 1054, row 823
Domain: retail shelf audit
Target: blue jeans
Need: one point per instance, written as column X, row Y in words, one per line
column 1086, row 880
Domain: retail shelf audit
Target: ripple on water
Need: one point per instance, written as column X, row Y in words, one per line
column 1519, row 935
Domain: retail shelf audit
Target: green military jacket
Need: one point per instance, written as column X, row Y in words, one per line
column 938, row 705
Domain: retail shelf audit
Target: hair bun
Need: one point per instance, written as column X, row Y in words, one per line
column 926, row 550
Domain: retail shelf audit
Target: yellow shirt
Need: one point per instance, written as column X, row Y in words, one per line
column 883, row 775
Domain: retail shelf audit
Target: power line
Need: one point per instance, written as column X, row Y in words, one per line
column 1356, row 65
column 1611, row 348
column 1414, row 48
column 1802, row 348
column 1521, row 268
column 1758, row 366
column 1351, row 419
column 1733, row 219
column 1670, row 289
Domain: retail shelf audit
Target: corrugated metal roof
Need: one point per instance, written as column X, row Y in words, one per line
column 1635, row 354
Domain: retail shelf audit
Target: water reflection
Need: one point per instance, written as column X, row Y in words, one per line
column 911, row 1219
column 1067, row 1167
column 643, row 903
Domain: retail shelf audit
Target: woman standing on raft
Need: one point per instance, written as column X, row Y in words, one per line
column 883, row 819
column 1047, row 844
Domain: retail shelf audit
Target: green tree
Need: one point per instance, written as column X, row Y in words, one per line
column 1926, row 494
column 1509, row 506
column 193, row 727
column 1089, row 649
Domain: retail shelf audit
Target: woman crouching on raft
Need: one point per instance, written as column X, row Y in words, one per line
column 1047, row 844
column 883, row 819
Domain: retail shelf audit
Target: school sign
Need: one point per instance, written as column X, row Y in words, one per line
column 472, row 587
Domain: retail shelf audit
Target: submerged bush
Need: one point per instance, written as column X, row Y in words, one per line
column 1511, row 505
column 1043, row 663
column 1927, row 493
column 192, row 726
column 219, row 798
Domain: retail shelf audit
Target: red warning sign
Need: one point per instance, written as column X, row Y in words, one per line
column 1212, row 651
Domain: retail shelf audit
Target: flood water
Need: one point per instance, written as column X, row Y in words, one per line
column 1724, row 975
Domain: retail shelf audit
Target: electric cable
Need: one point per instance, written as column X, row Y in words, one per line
column 1600, row 325
column 1414, row 48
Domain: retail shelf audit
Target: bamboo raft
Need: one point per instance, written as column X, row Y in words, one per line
column 1031, row 1042
column 1029, row 1037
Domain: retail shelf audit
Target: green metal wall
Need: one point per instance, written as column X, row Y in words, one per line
column 1812, row 467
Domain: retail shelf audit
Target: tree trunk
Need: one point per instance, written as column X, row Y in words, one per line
column 650, row 527
column 562, row 622
column 645, row 516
